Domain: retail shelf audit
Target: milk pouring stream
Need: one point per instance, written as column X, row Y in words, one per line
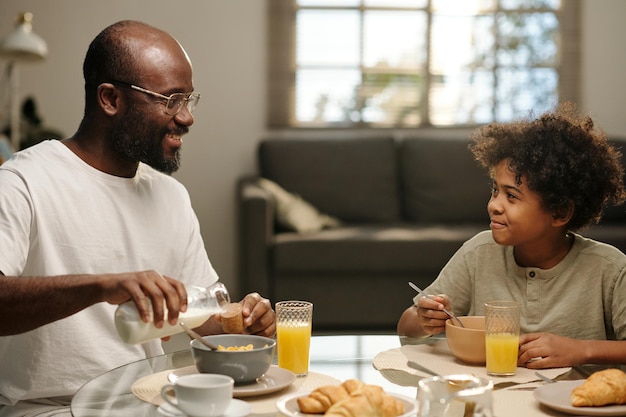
column 201, row 304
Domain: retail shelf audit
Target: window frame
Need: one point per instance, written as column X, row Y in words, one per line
column 281, row 67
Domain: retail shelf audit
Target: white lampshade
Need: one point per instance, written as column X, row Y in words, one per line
column 22, row 44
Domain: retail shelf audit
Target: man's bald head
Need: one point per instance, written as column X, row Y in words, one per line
column 122, row 51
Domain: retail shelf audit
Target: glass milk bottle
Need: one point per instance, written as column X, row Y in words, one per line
column 201, row 304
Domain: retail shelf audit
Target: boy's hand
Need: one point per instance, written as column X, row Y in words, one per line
column 430, row 313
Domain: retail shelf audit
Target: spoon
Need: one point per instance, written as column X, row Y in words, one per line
column 196, row 336
column 415, row 365
column 448, row 312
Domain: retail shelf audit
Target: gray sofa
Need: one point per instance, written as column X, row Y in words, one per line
column 405, row 206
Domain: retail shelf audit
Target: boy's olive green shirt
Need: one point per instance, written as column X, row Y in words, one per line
column 583, row 297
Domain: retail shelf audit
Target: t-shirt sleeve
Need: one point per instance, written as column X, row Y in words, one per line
column 15, row 221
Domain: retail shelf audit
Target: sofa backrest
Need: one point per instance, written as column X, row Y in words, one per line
column 617, row 214
column 381, row 179
column 442, row 182
column 352, row 179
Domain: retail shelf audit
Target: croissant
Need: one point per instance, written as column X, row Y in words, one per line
column 353, row 385
column 320, row 399
column 368, row 402
column 360, row 405
column 601, row 388
column 352, row 398
column 392, row 407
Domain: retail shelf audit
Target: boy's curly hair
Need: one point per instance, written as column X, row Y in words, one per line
column 562, row 157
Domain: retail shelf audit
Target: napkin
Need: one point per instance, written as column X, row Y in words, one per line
column 392, row 364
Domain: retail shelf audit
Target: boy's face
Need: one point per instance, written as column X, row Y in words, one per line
column 517, row 216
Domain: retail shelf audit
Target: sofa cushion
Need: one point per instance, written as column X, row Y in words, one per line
column 294, row 213
column 368, row 249
column 442, row 182
column 352, row 179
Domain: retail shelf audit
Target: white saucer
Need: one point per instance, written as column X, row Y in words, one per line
column 237, row 408
column 273, row 380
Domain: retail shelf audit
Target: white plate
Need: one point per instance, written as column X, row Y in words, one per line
column 557, row 397
column 288, row 405
column 273, row 380
column 237, row 408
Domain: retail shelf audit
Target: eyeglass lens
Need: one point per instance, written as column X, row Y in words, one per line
column 177, row 101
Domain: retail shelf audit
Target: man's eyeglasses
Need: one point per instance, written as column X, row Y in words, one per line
column 174, row 103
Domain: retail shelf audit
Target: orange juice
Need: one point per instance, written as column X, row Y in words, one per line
column 501, row 352
column 294, row 340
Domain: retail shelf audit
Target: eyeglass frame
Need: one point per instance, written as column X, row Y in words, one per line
column 190, row 101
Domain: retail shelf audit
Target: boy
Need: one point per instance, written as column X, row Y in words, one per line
column 552, row 176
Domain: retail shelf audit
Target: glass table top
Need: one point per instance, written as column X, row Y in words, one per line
column 341, row 357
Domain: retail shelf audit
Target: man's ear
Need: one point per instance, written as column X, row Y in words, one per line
column 564, row 214
column 109, row 98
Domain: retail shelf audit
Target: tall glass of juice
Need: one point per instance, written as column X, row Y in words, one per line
column 294, row 320
column 502, row 327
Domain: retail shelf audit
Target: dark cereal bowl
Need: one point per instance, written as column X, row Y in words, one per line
column 244, row 366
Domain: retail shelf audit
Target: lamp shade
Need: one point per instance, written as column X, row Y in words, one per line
column 22, row 44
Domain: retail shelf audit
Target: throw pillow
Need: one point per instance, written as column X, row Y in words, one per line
column 294, row 213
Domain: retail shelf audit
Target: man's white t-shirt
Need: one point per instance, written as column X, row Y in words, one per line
column 59, row 215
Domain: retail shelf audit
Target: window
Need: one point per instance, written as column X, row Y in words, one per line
column 419, row 63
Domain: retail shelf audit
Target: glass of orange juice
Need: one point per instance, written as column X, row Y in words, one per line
column 502, row 327
column 294, row 320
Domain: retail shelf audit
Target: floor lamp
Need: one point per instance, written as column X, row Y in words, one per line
column 20, row 45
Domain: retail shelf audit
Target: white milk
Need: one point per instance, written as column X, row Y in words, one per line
column 134, row 330
column 201, row 304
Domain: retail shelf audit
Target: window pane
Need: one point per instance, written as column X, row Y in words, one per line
column 528, row 39
column 471, row 46
column 528, row 4
column 322, row 3
column 462, row 98
column 396, row 3
column 325, row 95
column 519, row 91
column 394, row 39
column 327, row 37
column 462, row 7
column 390, row 99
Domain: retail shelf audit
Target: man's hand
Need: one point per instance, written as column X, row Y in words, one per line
column 147, row 288
column 258, row 316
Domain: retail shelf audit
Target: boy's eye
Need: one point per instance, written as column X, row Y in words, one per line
column 509, row 195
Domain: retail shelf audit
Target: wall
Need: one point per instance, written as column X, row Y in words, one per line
column 226, row 41
column 604, row 63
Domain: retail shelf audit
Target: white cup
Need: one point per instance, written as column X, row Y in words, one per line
column 200, row 395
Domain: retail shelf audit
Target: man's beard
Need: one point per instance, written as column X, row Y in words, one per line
column 137, row 142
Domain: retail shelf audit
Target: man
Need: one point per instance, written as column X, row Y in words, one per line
column 89, row 222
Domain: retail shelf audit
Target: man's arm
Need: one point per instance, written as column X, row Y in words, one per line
column 30, row 302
